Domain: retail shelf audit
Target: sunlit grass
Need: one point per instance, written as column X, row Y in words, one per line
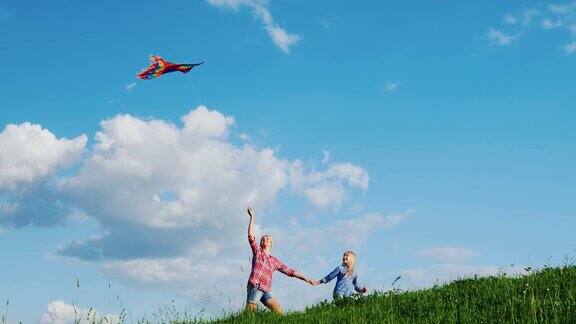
column 548, row 295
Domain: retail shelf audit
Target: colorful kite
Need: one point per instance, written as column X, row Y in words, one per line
column 159, row 66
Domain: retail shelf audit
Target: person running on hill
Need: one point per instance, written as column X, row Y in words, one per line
column 347, row 279
column 263, row 266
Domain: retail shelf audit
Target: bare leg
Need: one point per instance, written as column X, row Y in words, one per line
column 250, row 307
column 274, row 306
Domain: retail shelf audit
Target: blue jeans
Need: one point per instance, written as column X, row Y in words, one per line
column 254, row 294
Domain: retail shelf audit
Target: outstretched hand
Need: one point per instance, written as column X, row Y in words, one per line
column 250, row 211
column 313, row 282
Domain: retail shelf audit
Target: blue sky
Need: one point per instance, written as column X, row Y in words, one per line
column 436, row 141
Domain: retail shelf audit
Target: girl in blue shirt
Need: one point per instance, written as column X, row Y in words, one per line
column 347, row 279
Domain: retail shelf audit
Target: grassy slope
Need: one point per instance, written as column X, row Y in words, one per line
column 545, row 296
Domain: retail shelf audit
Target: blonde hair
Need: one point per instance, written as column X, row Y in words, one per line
column 350, row 269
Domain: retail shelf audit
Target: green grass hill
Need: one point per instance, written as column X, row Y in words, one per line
column 548, row 295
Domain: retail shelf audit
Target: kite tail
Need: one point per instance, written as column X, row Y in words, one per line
column 185, row 68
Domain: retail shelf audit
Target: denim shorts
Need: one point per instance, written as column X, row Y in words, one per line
column 254, row 294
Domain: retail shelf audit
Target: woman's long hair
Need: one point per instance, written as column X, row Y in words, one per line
column 350, row 268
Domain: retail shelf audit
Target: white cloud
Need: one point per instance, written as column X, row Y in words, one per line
column 549, row 24
column 38, row 204
column 130, row 87
column 523, row 17
column 559, row 16
column 326, row 22
column 245, row 137
column 449, row 254
column 497, row 37
column 170, row 199
column 135, row 164
column 510, row 19
column 569, row 48
column 282, row 38
column 392, row 86
column 180, row 272
column 327, row 188
column 158, row 189
column 327, row 157
column 59, row 312
column 349, row 233
column 29, row 153
column 560, row 9
column 221, row 278
column 528, row 15
column 209, row 179
column 443, row 273
column 201, row 122
column 233, row 4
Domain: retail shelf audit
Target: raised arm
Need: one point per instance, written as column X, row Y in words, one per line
column 251, row 238
column 250, row 227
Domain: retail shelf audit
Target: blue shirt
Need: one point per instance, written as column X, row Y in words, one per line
column 345, row 285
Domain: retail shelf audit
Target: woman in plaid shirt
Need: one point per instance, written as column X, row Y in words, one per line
column 263, row 266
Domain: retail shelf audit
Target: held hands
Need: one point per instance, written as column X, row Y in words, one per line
column 313, row 282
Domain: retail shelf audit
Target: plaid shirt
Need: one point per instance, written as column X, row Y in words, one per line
column 263, row 266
